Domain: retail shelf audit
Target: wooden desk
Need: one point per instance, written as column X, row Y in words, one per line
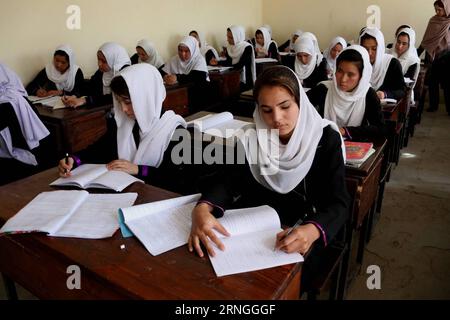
column 227, row 83
column 177, row 99
column 39, row 263
column 73, row 130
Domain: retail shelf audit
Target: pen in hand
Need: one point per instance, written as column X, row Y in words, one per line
column 67, row 162
column 297, row 224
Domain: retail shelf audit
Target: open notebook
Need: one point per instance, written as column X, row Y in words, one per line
column 164, row 225
column 75, row 213
column 219, row 124
column 97, row 176
column 54, row 102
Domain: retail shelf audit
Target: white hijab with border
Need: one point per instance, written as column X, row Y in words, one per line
column 63, row 81
column 306, row 45
column 147, row 93
column 282, row 171
column 237, row 50
column 154, row 58
column 33, row 130
column 267, row 41
column 116, row 57
column 327, row 53
column 409, row 57
column 382, row 60
column 196, row 62
column 347, row 109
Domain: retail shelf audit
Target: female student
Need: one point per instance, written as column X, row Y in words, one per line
column 307, row 174
column 436, row 42
column 387, row 76
column 188, row 66
column 288, row 46
column 206, row 50
column 239, row 54
column 310, row 66
column 336, row 46
column 265, row 47
column 21, row 130
column 348, row 100
column 139, row 144
column 111, row 58
column 147, row 53
column 406, row 53
column 61, row 76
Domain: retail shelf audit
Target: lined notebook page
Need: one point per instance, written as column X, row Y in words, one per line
column 115, row 180
column 47, row 212
column 82, row 175
column 96, row 218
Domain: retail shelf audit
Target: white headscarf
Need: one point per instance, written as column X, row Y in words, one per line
column 409, row 57
column 382, row 59
column 296, row 33
column 147, row 93
column 116, row 57
column 283, row 171
column 267, row 40
column 204, row 46
column 237, row 50
column 268, row 28
column 154, row 58
column 306, row 45
column 63, row 81
column 33, row 130
column 332, row 62
column 196, row 62
column 347, row 109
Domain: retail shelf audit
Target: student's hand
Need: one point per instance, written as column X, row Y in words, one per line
column 342, row 131
column 41, row 93
column 124, row 166
column 203, row 223
column 170, row 79
column 300, row 239
column 73, row 101
column 381, row 95
column 213, row 62
column 64, row 169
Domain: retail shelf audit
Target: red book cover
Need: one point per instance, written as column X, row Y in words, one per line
column 357, row 150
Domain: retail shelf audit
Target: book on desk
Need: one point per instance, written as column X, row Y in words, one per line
column 221, row 125
column 357, row 152
column 54, row 102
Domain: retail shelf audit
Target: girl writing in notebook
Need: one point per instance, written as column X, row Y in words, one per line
column 387, row 75
column 140, row 141
column 60, row 76
column 265, row 47
column 111, row 58
column 348, row 100
column 306, row 171
column 239, row 54
column 147, row 53
column 206, row 50
column 310, row 66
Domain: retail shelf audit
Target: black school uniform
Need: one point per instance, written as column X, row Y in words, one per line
column 135, row 60
column 319, row 74
column 245, row 61
column 394, row 82
column 42, row 81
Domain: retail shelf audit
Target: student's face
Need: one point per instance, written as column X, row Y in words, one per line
column 334, row 52
column 102, row 63
column 402, row 44
column 279, row 110
column 347, row 76
column 440, row 12
column 303, row 57
column 371, row 47
column 260, row 39
column 184, row 53
column 142, row 54
column 230, row 38
column 61, row 64
column 195, row 35
column 126, row 106
column 294, row 38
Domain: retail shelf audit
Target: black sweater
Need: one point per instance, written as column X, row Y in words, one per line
column 42, row 81
column 411, row 72
column 318, row 75
column 394, row 82
column 135, row 60
column 245, row 61
column 323, row 187
column 372, row 126
column 273, row 52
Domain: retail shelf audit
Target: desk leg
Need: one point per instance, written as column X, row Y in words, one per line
column 10, row 288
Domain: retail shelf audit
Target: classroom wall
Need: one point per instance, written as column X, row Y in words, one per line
column 30, row 30
column 329, row 18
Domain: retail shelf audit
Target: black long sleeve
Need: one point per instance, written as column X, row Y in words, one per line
column 411, row 72
column 283, row 47
column 134, row 59
column 273, row 51
column 94, row 91
column 394, row 82
column 42, row 81
column 319, row 74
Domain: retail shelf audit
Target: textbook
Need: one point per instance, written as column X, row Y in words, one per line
column 74, row 213
column 388, row 101
column 265, row 60
column 164, row 225
column 97, row 176
column 358, row 152
column 54, row 102
column 219, row 124
column 218, row 69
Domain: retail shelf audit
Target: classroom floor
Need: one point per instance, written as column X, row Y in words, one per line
column 411, row 242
